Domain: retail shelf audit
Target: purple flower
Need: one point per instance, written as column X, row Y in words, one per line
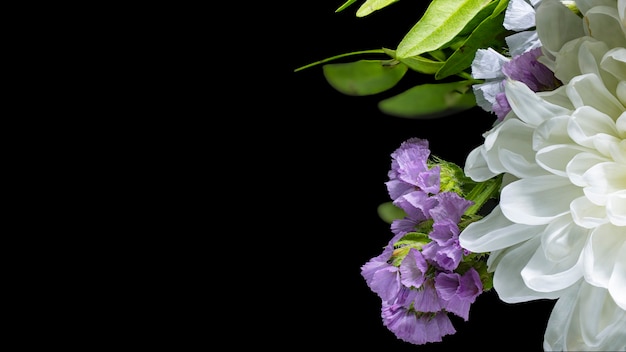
column 409, row 169
column 450, row 206
column 416, row 328
column 526, row 69
column 459, row 291
column 447, row 257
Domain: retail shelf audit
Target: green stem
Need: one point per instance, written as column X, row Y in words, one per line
column 481, row 193
column 373, row 51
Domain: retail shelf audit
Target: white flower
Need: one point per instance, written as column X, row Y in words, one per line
column 559, row 230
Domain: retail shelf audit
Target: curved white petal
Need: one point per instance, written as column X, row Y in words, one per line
column 495, row 231
column 586, row 318
column 601, row 254
column 616, row 208
column 507, row 278
column 538, row 200
column 617, row 282
column 528, row 106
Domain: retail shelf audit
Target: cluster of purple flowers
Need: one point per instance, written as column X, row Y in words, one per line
column 420, row 276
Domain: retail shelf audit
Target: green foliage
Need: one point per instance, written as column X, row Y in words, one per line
column 442, row 44
column 389, row 212
column 442, row 22
column 364, row 77
column 430, row 100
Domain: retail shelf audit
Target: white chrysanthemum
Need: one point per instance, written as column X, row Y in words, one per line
column 559, row 231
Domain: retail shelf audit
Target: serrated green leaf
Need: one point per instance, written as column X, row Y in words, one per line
column 431, row 100
column 364, row 77
column 489, row 33
column 370, row 6
column 389, row 212
column 441, row 22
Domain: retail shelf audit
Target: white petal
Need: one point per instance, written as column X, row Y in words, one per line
column 557, row 25
column 487, row 64
column 614, row 62
column 545, row 275
column 476, row 166
column 495, row 231
column 580, row 163
column 600, row 253
column 556, row 157
column 604, row 179
column 603, row 23
column 552, row 131
column 529, row 107
column 587, row 214
column 507, row 278
column 617, row 282
column 538, row 200
column 519, row 16
column 521, row 42
column 585, row 318
column 589, row 90
column 616, row 208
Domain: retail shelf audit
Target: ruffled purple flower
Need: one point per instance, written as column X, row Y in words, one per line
column 444, row 258
column 416, row 328
column 409, row 169
column 459, row 291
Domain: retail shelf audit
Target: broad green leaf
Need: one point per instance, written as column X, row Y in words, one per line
column 487, row 11
column 418, row 63
column 364, row 77
column 489, row 33
column 345, row 5
column 441, row 22
column 389, row 212
column 370, row 6
column 431, row 100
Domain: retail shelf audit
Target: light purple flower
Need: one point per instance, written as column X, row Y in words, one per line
column 445, row 258
column 413, row 269
column 459, row 291
column 416, row 328
column 409, row 169
column 450, row 206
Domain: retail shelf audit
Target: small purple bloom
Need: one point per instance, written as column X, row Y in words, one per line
column 450, row 206
column 413, row 269
column 414, row 327
column 459, row 291
column 409, row 169
column 446, row 258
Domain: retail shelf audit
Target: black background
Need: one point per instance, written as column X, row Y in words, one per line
column 333, row 153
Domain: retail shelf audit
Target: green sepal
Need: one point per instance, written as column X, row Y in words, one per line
column 431, row 100
column 364, row 77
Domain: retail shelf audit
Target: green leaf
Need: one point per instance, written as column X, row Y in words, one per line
column 489, row 33
column 431, row 100
column 345, row 5
column 364, row 77
column 441, row 22
column 389, row 212
column 370, row 6
column 418, row 63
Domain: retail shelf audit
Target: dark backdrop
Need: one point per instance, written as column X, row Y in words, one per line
column 334, row 155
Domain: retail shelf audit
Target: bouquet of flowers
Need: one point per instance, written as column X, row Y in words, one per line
column 538, row 211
